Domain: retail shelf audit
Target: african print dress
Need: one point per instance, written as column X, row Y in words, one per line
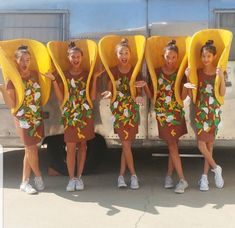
column 169, row 114
column 207, row 108
column 125, row 111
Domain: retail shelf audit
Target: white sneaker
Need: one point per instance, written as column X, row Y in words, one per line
column 219, row 181
column 181, row 186
column 79, row 185
column 39, row 184
column 203, row 183
column 121, row 182
column 134, row 182
column 26, row 187
column 169, row 183
column 71, row 185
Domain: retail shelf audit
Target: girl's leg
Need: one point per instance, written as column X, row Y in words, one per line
column 31, row 153
column 81, row 158
column 170, row 168
column 126, row 150
column 71, row 153
column 26, row 168
column 207, row 154
column 174, row 154
column 206, row 164
column 123, row 165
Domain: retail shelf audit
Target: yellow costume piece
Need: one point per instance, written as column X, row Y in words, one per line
column 109, row 58
column 58, row 52
column 222, row 41
column 155, row 50
column 40, row 62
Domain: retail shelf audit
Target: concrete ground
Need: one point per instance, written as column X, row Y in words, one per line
column 102, row 205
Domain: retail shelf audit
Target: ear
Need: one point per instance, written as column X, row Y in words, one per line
column 215, row 56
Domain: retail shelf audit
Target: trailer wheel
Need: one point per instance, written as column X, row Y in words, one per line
column 56, row 154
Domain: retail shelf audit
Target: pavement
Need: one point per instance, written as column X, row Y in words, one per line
column 103, row 205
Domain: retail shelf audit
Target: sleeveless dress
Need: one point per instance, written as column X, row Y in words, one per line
column 125, row 112
column 207, row 108
column 169, row 114
column 28, row 119
column 77, row 113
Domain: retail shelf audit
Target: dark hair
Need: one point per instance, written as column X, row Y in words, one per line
column 72, row 47
column 208, row 46
column 171, row 46
column 22, row 49
column 123, row 43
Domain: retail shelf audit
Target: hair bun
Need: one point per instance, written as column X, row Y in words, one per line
column 172, row 42
column 72, row 45
column 22, row 47
column 124, row 41
column 209, row 42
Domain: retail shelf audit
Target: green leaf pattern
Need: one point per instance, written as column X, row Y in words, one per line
column 76, row 109
column 208, row 108
column 168, row 111
column 124, row 109
column 30, row 113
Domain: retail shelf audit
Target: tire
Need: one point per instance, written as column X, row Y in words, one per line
column 56, row 153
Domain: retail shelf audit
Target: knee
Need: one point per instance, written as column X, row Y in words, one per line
column 172, row 143
column 82, row 146
column 201, row 146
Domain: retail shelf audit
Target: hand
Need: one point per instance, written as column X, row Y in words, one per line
column 139, row 100
column 189, row 85
column 2, row 87
column 220, row 72
column 49, row 75
column 140, row 84
column 106, row 95
column 97, row 74
column 187, row 72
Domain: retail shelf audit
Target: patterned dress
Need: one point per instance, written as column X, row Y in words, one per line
column 125, row 111
column 169, row 114
column 77, row 113
column 207, row 108
column 28, row 119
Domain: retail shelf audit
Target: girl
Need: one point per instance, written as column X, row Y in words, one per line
column 169, row 114
column 76, row 115
column 125, row 112
column 208, row 112
column 28, row 118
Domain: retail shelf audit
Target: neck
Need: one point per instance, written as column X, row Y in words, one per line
column 76, row 70
column 24, row 74
column 210, row 69
column 124, row 68
column 169, row 70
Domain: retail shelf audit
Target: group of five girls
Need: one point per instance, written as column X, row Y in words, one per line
column 79, row 125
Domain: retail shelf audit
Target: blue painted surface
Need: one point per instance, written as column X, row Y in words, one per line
column 99, row 16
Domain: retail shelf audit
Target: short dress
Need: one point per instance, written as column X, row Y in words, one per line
column 169, row 113
column 28, row 118
column 208, row 110
column 125, row 112
column 77, row 113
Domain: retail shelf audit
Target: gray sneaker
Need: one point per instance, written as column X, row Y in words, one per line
column 26, row 187
column 203, row 183
column 79, row 185
column 39, row 184
column 121, row 182
column 71, row 185
column 169, row 183
column 134, row 184
column 181, row 186
column 219, row 181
